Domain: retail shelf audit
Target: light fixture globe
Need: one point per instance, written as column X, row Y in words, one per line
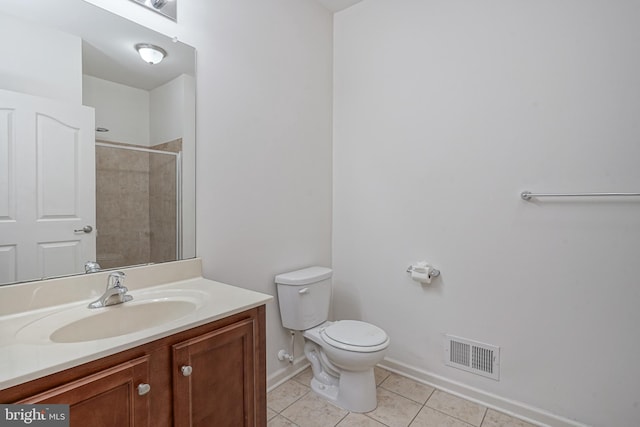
column 150, row 54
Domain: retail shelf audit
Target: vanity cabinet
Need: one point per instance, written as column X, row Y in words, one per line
column 115, row 396
column 210, row 375
column 223, row 396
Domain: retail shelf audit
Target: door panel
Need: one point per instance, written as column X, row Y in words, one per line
column 58, row 187
column 8, row 273
column 47, row 185
column 7, row 178
column 57, row 258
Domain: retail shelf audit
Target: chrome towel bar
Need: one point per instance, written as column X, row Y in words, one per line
column 527, row 195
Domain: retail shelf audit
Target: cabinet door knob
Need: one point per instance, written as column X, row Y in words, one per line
column 143, row 389
column 186, row 370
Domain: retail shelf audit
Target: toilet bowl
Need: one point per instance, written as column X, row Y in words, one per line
column 343, row 371
column 342, row 353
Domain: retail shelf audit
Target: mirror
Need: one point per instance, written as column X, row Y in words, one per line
column 97, row 147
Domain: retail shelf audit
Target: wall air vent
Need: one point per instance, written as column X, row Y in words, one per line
column 472, row 356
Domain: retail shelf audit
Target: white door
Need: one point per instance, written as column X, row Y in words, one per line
column 47, row 187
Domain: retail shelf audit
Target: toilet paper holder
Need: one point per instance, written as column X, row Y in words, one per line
column 424, row 268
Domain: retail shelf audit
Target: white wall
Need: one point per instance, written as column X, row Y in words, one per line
column 443, row 112
column 166, row 106
column 264, row 145
column 172, row 116
column 189, row 153
column 39, row 61
column 264, row 78
column 124, row 110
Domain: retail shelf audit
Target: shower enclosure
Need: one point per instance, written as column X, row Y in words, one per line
column 138, row 203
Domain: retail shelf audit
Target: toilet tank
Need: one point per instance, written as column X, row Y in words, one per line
column 304, row 297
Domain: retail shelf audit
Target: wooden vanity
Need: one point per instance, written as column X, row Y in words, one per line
column 211, row 374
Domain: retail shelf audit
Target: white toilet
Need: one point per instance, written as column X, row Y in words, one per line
column 342, row 353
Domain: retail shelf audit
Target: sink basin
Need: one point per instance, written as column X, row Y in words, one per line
column 122, row 319
column 79, row 324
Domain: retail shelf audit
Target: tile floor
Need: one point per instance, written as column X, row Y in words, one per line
column 402, row 402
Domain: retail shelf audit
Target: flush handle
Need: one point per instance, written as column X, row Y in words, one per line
column 143, row 389
column 303, row 291
column 186, row 370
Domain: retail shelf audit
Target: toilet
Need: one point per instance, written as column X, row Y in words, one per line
column 342, row 353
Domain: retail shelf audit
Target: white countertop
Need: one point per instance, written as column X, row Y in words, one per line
column 23, row 360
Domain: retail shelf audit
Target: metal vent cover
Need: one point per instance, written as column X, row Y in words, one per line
column 472, row 356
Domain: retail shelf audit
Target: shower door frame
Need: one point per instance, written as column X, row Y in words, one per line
column 178, row 157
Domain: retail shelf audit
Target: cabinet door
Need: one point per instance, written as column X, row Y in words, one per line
column 214, row 378
column 109, row 398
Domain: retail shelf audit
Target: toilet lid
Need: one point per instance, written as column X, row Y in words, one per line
column 353, row 333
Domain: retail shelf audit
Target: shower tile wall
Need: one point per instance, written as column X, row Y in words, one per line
column 135, row 206
column 122, row 216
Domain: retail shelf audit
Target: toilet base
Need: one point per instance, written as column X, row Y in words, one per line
column 355, row 392
column 328, row 392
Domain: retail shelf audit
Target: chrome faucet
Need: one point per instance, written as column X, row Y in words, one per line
column 116, row 292
column 91, row 267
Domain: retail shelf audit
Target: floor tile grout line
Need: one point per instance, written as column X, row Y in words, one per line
column 291, row 421
column 300, row 382
column 455, row 417
column 422, row 407
column 378, row 421
column 415, row 416
column 285, row 408
column 341, row 419
column 484, row 416
column 366, row 414
column 406, row 397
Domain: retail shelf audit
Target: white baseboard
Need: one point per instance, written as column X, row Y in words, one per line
column 514, row 408
column 511, row 407
column 286, row 373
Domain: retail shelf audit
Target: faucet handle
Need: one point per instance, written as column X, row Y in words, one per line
column 116, row 279
column 91, row 267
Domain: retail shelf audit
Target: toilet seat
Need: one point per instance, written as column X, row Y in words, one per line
column 356, row 336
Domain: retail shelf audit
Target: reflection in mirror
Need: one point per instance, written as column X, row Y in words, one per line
column 97, row 147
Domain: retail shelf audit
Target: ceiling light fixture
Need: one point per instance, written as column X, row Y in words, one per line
column 158, row 4
column 150, row 54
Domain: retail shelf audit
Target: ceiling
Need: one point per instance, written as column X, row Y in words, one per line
column 338, row 5
column 108, row 41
